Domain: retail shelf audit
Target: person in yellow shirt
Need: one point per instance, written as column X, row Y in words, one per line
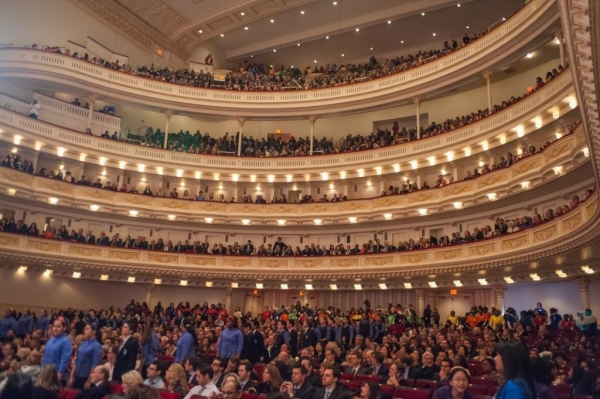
column 496, row 319
column 452, row 318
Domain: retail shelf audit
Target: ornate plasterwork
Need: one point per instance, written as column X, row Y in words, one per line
column 545, row 234
column 13, row 176
column 123, row 20
column 482, row 250
column 44, row 246
column 155, row 13
column 523, row 167
column 449, row 254
column 87, row 251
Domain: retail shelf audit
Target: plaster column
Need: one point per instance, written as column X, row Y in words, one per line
column 561, row 47
column 499, row 295
column 228, row 292
column 488, row 80
column 36, row 156
column 584, row 290
column 81, row 170
column 92, row 100
column 241, row 120
column 345, row 188
column 168, row 114
column 235, row 191
column 308, row 189
column 149, row 290
column 420, row 302
column 454, row 173
column 417, row 101
column 312, row 121
column 271, row 192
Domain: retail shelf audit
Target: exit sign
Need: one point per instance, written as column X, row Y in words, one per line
column 454, row 291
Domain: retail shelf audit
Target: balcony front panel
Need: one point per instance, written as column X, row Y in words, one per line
column 514, row 33
column 533, row 168
column 555, row 96
column 548, row 239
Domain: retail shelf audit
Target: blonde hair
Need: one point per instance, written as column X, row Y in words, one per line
column 132, row 378
column 177, row 378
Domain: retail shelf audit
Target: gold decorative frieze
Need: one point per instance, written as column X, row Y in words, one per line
column 44, row 246
column 389, row 201
column 17, row 177
column 422, row 196
column 309, row 263
column 354, row 206
column 163, row 258
column 379, row 260
column 525, row 166
column 123, row 255
column 414, row 258
column 9, row 241
column 515, row 242
column 590, row 209
column 571, row 222
column 557, row 150
column 454, row 189
column 237, row 262
column 88, row 251
column 200, row 261
column 482, row 250
column 492, row 178
column 343, row 262
column 272, row 263
column 209, row 206
column 448, row 254
column 96, row 193
column 135, row 199
column 56, row 185
column 316, row 208
column 545, row 234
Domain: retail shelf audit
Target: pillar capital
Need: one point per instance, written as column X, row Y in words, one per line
column 228, row 292
column 92, row 97
column 584, row 283
column 312, row 119
column 150, row 288
column 241, row 120
column 168, row 113
column 417, row 100
column 559, row 35
column 487, row 76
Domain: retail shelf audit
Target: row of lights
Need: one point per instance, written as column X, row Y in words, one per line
column 284, row 286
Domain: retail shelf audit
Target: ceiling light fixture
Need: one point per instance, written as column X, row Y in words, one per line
column 208, row 220
column 587, row 269
column 482, row 281
column 235, row 285
column 509, row 280
column 208, row 284
column 308, row 286
column 457, row 205
column 353, row 219
column 389, row 22
column 358, row 29
column 222, row 34
column 561, row 274
column 158, row 281
column 529, row 55
column 48, row 272
column 53, row 200
column 326, row 37
column 245, row 28
column 357, row 287
column 133, row 213
column 131, row 279
column 199, row 30
column 284, row 286
column 104, row 277
column 535, row 277
column 259, row 286
column 458, row 283
column 423, row 211
column 246, row 221
column 94, row 208
column 433, row 284
column 383, row 286
column 281, row 222
column 422, row 14
column 76, row 274
column 407, row 285
column 242, row 13
column 318, row 222
column 335, row 3
column 171, row 217
column 22, row 269
column 302, row 12
column 333, row 286
column 272, row 21
column 388, row 216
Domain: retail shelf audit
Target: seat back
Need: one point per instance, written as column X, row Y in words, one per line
column 67, row 393
column 116, row 388
column 412, row 393
column 169, row 395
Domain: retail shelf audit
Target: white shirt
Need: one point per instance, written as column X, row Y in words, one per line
column 205, row 390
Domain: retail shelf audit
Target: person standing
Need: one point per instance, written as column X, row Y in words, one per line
column 8, row 323
column 58, row 349
column 149, row 344
column 128, row 351
column 512, row 361
column 232, row 340
column 89, row 356
column 34, row 109
column 187, row 343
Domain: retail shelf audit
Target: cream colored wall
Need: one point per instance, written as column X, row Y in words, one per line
column 36, row 21
column 36, row 291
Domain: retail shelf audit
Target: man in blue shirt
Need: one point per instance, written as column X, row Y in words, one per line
column 154, row 376
column 24, row 324
column 42, row 322
column 89, row 356
column 8, row 323
column 231, row 342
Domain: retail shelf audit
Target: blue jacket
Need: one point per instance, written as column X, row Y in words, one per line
column 514, row 389
column 150, row 349
column 24, row 325
column 42, row 323
column 58, row 352
column 185, row 347
column 230, row 343
column 89, row 356
column 7, row 323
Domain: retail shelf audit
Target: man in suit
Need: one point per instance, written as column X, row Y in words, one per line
column 270, row 352
column 355, row 367
column 253, row 343
column 99, row 385
column 248, row 248
column 128, row 351
column 331, row 389
column 428, row 370
column 298, row 387
column 190, row 366
column 103, row 240
column 89, row 238
column 245, row 374
column 311, row 378
column 378, row 368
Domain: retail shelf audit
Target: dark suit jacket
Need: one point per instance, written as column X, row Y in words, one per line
column 103, row 241
column 383, row 372
column 306, row 391
column 249, row 385
column 90, row 239
column 126, row 358
column 340, row 392
column 314, row 380
column 95, row 392
column 361, row 370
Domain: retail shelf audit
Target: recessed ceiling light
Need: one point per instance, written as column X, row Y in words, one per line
column 342, row 54
column 529, row 55
column 358, row 29
column 335, row 3
column 252, row 56
column 371, row 48
column 272, row 21
column 458, row 5
column 315, row 61
column 199, row 30
column 422, row 14
column 401, row 41
column 222, row 34
column 242, row 13
column 434, row 34
column 245, row 28
column 389, row 22
column 298, row 44
column 327, row 37
column 302, row 12
column 274, row 50
column 467, row 26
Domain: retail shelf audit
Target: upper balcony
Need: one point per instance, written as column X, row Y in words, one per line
column 536, row 110
column 524, row 28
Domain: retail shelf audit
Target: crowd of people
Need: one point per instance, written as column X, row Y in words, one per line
column 297, row 351
column 499, row 228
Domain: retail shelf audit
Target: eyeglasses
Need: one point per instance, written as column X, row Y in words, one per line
column 151, row 369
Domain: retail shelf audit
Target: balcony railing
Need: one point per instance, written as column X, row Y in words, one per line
column 480, row 255
column 553, row 94
column 519, row 29
column 561, row 152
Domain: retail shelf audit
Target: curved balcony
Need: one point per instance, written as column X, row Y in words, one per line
column 526, row 25
column 558, row 158
column 556, row 96
column 566, row 233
